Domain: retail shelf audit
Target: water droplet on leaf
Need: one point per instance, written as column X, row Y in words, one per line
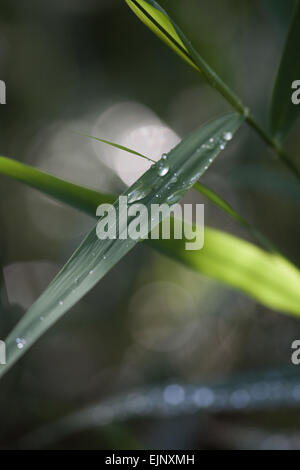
column 163, row 169
column 20, row 343
column 138, row 193
column 227, row 136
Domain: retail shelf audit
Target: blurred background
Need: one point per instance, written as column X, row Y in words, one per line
column 155, row 356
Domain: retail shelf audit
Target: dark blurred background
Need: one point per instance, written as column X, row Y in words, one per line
column 92, row 67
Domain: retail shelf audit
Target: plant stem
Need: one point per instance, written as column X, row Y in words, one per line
column 237, row 104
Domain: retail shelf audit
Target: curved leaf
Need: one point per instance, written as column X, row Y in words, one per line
column 267, row 277
column 153, row 16
column 118, row 146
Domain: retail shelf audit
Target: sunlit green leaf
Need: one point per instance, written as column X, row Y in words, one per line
column 267, row 277
column 158, row 21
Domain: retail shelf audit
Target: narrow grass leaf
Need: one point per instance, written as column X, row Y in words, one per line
column 267, row 277
column 219, row 201
column 120, row 147
column 226, row 207
column 70, row 193
column 153, row 16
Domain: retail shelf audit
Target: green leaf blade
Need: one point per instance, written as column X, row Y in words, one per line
column 219, row 202
column 156, row 19
column 73, row 194
column 119, row 147
column 267, row 277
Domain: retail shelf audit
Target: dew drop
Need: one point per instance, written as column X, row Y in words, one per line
column 164, row 156
column 91, row 271
column 210, row 145
column 60, row 302
column 222, row 146
column 138, row 193
column 20, row 343
column 163, row 169
column 175, row 197
column 227, row 136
